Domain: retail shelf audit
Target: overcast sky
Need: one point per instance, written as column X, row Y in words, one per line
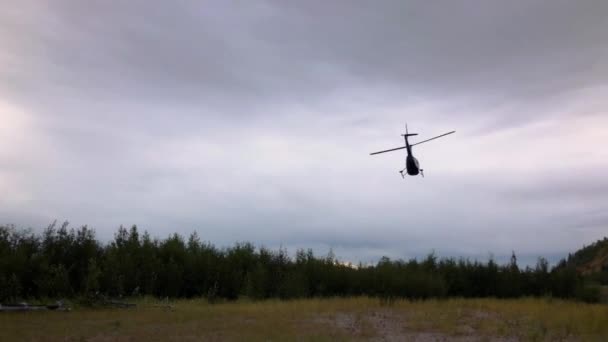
column 254, row 120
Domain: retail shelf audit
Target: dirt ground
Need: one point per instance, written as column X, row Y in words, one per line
column 388, row 325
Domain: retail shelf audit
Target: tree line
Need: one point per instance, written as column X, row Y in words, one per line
column 63, row 262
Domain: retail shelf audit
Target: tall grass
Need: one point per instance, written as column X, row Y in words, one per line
column 317, row 319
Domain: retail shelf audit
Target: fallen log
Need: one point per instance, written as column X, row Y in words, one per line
column 120, row 304
column 28, row 307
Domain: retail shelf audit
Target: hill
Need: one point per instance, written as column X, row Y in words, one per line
column 591, row 259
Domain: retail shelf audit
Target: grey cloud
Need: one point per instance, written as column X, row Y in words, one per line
column 253, row 121
column 274, row 51
column 572, row 185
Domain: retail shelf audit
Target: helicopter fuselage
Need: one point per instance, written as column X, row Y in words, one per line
column 412, row 165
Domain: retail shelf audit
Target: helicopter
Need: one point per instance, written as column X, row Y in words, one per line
column 412, row 166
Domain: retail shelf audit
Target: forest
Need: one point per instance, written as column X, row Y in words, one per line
column 63, row 262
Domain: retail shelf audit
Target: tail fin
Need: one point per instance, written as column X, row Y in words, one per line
column 407, row 133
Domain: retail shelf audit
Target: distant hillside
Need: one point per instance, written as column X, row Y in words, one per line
column 592, row 259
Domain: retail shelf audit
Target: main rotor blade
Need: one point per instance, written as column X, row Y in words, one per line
column 392, row 149
column 439, row 136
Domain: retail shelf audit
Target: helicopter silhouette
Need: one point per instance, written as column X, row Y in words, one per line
column 412, row 166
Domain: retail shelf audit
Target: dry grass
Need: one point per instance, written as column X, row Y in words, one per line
column 319, row 320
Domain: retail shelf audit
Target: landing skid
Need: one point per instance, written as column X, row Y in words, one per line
column 403, row 176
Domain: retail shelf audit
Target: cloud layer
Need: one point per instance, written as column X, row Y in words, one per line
column 253, row 121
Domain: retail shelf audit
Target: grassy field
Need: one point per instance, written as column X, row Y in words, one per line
column 319, row 320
